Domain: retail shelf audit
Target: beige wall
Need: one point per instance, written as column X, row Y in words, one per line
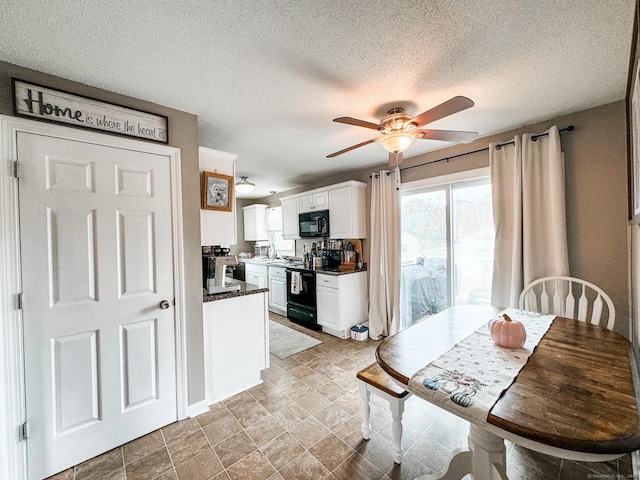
column 183, row 134
column 596, row 192
column 241, row 246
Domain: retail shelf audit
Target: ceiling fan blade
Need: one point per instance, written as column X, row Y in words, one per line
column 451, row 106
column 351, row 148
column 357, row 123
column 395, row 159
column 446, row 135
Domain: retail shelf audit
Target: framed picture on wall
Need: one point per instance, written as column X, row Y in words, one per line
column 217, row 191
column 633, row 127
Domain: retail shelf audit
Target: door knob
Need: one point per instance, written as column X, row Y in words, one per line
column 164, row 304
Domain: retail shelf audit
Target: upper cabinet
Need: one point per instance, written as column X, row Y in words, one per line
column 274, row 219
column 255, row 222
column 289, row 218
column 313, row 201
column 347, row 212
column 345, row 202
column 218, row 227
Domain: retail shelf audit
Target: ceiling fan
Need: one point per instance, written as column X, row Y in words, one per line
column 399, row 129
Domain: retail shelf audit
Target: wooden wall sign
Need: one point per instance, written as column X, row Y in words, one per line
column 42, row 103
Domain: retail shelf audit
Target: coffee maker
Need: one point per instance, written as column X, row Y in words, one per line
column 208, row 268
column 219, row 282
column 209, row 255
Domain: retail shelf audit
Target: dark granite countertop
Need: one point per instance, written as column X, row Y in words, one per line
column 245, row 289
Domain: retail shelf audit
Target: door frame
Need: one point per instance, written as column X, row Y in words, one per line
column 13, row 449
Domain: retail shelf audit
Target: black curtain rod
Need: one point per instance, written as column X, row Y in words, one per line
column 570, row 128
column 534, row 138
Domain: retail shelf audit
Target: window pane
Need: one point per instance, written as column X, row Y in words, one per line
column 447, row 248
column 423, row 287
column 473, row 243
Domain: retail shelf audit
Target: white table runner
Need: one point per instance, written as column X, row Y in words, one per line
column 469, row 379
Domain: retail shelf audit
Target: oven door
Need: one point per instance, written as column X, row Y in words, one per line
column 301, row 307
column 307, row 295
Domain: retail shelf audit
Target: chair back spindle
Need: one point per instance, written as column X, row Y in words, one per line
column 556, row 295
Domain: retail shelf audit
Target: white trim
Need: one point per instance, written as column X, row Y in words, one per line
column 209, row 401
column 13, row 451
column 474, row 174
column 212, row 152
column 196, row 409
column 179, row 285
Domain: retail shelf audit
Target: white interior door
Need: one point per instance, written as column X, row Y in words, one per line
column 97, row 261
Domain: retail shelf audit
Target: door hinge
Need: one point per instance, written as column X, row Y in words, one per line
column 16, row 169
column 19, row 301
column 23, row 431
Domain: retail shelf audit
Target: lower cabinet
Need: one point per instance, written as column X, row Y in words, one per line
column 236, row 344
column 278, row 290
column 257, row 275
column 342, row 302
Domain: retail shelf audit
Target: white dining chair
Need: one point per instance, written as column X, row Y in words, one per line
column 569, row 297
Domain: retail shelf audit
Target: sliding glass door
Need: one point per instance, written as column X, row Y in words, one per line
column 447, row 248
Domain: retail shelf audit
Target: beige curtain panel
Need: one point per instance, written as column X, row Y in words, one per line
column 384, row 257
column 528, row 185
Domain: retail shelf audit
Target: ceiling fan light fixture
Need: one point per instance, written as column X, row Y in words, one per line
column 398, row 141
column 245, row 186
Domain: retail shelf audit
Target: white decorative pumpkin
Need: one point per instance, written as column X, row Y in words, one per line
column 507, row 332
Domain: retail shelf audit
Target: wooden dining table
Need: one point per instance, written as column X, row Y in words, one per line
column 576, row 397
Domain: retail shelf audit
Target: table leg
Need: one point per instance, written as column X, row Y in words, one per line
column 484, row 458
column 397, row 408
column 489, row 454
column 365, row 410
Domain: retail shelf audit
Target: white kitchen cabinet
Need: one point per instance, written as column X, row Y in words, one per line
column 274, row 219
column 236, row 344
column 347, row 217
column 255, row 222
column 342, row 302
column 313, row 201
column 328, row 307
column 345, row 202
column 290, row 218
column 257, row 274
column 278, row 290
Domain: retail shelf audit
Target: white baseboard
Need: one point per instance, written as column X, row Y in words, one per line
column 197, row 409
column 277, row 310
column 227, row 395
column 343, row 334
column 635, row 366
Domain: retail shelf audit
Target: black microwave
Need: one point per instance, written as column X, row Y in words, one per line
column 314, row 224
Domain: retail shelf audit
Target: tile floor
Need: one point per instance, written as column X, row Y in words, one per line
column 302, row 423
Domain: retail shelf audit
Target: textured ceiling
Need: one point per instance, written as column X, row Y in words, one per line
column 266, row 78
